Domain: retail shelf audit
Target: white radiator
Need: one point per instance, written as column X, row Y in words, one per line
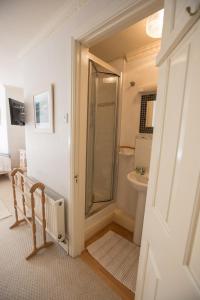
column 54, row 209
column 5, row 164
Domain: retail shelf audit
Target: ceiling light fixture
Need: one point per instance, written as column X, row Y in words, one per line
column 154, row 24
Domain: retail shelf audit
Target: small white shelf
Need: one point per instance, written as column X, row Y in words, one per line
column 126, row 152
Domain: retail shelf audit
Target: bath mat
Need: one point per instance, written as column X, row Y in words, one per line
column 4, row 213
column 118, row 256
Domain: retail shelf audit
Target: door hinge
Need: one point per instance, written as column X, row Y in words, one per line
column 76, row 178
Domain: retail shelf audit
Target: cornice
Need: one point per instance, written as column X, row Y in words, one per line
column 62, row 15
column 148, row 50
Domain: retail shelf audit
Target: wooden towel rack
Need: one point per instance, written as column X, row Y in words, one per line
column 18, row 183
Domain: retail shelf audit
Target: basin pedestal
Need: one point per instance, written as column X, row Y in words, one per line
column 139, row 183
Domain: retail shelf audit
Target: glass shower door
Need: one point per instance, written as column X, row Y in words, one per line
column 101, row 135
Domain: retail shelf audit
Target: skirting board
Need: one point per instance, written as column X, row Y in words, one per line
column 121, row 218
column 65, row 245
column 99, row 220
column 106, row 216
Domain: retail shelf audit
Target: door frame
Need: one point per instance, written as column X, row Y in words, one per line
column 79, row 85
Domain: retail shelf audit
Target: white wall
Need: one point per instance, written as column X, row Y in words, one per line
column 143, row 71
column 12, row 137
column 11, row 72
column 3, row 122
column 49, row 62
column 16, row 134
column 48, row 155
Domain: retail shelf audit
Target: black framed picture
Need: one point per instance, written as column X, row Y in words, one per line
column 147, row 112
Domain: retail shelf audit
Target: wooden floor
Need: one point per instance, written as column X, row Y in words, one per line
column 117, row 286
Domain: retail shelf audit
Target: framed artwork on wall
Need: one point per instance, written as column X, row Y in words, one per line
column 44, row 111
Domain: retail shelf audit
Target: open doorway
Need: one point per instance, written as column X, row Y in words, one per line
column 134, row 59
column 116, row 121
column 12, row 141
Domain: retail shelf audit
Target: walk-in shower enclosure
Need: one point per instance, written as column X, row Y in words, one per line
column 101, row 145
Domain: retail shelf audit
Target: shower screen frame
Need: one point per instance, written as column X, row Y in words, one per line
column 89, row 195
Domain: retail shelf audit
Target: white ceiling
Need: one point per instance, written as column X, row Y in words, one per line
column 20, row 23
column 22, row 20
column 123, row 42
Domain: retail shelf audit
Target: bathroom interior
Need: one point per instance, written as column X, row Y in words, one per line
column 120, row 120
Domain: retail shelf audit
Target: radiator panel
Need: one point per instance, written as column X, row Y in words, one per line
column 54, row 208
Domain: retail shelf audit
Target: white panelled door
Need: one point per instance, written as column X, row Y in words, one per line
column 179, row 14
column 169, row 266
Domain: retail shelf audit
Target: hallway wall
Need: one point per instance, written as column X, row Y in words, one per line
column 50, row 62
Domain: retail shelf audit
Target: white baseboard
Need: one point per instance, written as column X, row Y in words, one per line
column 121, row 218
column 99, row 220
column 106, row 216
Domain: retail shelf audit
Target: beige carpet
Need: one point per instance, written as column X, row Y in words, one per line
column 51, row 275
column 4, row 213
column 6, row 194
column 118, row 256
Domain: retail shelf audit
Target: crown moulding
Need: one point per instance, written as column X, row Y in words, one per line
column 147, row 50
column 67, row 11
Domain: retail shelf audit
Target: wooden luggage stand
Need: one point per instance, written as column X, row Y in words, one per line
column 30, row 220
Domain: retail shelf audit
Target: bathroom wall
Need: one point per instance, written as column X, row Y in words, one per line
column 140, row 68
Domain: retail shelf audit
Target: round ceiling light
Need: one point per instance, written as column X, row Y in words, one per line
column 154, row 24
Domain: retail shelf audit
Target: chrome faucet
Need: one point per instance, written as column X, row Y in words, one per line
column 140, row 170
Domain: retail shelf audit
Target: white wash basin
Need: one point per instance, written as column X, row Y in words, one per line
column 139, row 183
